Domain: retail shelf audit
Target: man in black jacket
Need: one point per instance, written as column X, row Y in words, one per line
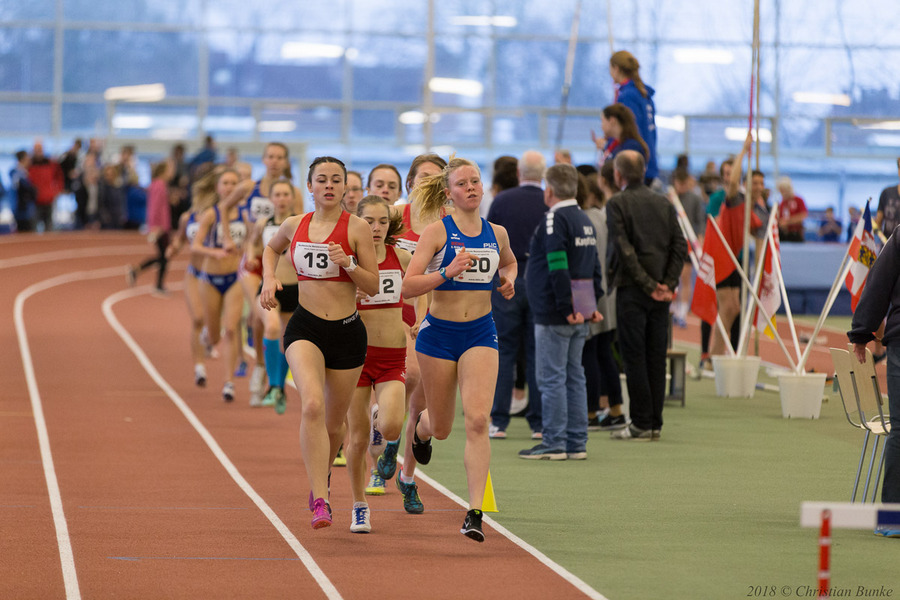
column 881, row 297
column 649, row 254
column 519, row 210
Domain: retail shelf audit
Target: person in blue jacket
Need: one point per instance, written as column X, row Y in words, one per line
column 562, row 264
column 636, row 95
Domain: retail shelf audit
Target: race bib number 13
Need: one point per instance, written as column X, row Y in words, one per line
column 311, row 260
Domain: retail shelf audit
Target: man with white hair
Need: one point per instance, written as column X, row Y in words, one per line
column 519, row 210
column 791, row 212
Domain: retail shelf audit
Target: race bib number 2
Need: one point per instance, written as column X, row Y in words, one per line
column 312, row 260
column 389, row 289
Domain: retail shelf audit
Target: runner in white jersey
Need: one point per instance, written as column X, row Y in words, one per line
column 253, row 197
column 274, row 321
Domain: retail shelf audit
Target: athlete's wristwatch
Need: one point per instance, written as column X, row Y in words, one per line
column 352, row 266
column 443, row 272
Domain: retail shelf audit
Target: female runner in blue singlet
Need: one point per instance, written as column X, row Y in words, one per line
column 325, row 339
column 457, row 258
column 188, row 225
column 222, row 296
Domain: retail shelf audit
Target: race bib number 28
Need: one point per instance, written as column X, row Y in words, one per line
column 311, row 260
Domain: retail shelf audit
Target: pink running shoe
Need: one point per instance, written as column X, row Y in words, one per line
column 321, row 514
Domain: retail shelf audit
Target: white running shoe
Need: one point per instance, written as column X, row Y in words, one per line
column 200, row 375
column 228, row 391
column 359, row 519
column 258, row 380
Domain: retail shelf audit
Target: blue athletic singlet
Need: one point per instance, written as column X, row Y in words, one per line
column 191, row 228
column 237, row 227
column 257, row 205
column 487, row 255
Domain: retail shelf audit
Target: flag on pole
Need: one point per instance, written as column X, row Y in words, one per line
column 715, row 266
column 769, row 291
column 862, row 257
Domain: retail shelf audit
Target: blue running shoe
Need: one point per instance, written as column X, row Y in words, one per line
column 887, row 531
column 411, row 501
column 241, row 371
column 387, row 462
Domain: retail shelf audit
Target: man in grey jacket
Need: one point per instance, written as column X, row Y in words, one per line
column 649, row 255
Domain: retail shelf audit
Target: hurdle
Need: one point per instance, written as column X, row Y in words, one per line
column 843, row 515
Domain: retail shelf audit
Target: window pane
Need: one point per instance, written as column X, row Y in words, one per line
column 291, row 123
column 576, row 130
column 516, row 129
column 463, row 59
column 178, row 12
column 230, row 122
column 865, row 138
column 722, row 136
column 388, row 68
column 592, row 85
column 139, row 58
column 374, row 124
column 155, row 121
column 31, row 117
column 401, row 16
column 275, row 14
column 274, row 66
column 26, row 60
column 544, row 64
column 459, row 128
column 84, row 119
column 34, row 9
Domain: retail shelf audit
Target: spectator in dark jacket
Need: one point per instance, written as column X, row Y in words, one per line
column 650, row 252
column 563, row 279
column 520, row 210
column 21, row 186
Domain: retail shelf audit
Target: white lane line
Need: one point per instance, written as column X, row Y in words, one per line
column 331, row 592
column 549, row 563
column 32, row 259
column 66, row 557
column 556, row 568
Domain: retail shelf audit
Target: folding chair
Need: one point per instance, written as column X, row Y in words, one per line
column 860, row 398
column 871, row 409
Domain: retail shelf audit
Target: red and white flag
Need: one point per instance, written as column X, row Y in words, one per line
column 715, row 266
column 769, row 290
column 862, row 257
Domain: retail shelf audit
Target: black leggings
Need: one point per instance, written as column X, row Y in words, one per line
column 706, row 333
column 162, row 242
column 601, row 371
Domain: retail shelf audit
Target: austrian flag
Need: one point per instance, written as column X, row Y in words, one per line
column 715, row 266
column 862, row 257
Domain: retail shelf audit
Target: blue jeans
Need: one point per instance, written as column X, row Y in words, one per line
column 515, row 326
column 561, row 379
column 890, row 488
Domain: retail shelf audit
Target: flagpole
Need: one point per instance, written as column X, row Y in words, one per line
column 787, row 305
column 688, row 231
column 843, row 271
column 744, row 340
column 746, row 282
column 829, row 302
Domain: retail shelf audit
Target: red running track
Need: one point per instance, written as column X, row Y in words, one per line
column 121, row 485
